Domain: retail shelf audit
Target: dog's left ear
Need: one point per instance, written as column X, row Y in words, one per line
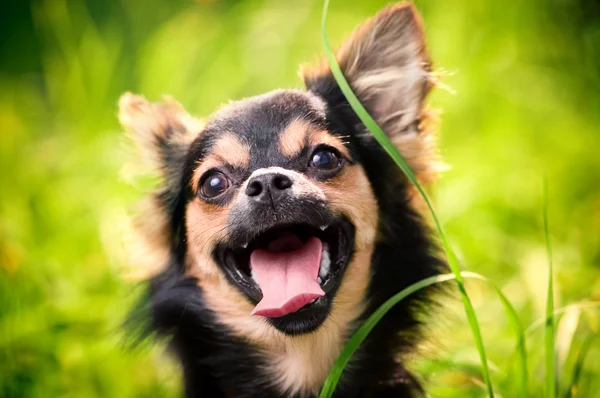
column 386, row 63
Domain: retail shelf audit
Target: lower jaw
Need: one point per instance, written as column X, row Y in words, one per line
column 305, row 320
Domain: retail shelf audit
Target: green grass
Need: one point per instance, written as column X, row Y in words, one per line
column 385, row 142
column 527, row 82
column 362, row 333
column 549, row 335
column 573, row 387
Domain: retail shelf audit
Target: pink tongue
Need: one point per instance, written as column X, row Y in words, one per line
column 288, row 280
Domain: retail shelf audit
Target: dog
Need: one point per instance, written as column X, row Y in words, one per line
column 280, row 225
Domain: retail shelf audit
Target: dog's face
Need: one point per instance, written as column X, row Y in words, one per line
column 270, row 205
column 278, row 207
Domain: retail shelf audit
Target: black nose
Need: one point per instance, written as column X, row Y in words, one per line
column 267, row 187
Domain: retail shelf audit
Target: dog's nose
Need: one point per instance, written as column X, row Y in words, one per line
column 267, row 187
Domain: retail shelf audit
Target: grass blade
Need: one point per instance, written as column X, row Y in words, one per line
column 361, row 334
column 581, row 356
column 513, row 318
column 380, row 136
column 585, row 305
column 566, row 328
column 550, row 326
column 580, row 306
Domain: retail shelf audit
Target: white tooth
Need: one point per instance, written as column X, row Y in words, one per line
column 325, row 262
column 323, row 227
column 319, row 280
column 245, row 245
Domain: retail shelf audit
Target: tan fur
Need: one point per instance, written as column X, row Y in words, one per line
column 146, row 122
column 300, row 363
column 229, row 150
column 293, row 139
column 299, row 133
column 419, row 149
column 232, row 150
column 387, row 65
column 208, row 163
column 351, row 193
column 148, row 242
column 206, row 224
column 318, row 137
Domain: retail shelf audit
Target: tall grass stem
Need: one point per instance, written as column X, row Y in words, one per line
column 550, row 324
column 383, row 140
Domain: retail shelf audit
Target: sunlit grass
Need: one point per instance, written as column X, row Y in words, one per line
column 384, row 141
column 362, row 333
column 549, row 335
column 526, row 81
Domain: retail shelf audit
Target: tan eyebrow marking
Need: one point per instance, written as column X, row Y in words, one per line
column 324, row 137
column 294, row 138
column 231, row 150
column 228, row 149
column 299, row 133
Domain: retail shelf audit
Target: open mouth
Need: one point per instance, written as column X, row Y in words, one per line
column 291, row 272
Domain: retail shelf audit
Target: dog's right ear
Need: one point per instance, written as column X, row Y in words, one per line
column 163, row 133
column 387, row 66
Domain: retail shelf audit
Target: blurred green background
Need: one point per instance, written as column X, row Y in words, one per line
column 523, row 99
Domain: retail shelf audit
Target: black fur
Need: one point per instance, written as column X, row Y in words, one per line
column 218, row 364
column 404, row 256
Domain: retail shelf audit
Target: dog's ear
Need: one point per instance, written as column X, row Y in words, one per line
column 386, row 63
column 163, row 133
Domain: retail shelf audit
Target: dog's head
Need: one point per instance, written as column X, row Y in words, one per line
column 270, row 204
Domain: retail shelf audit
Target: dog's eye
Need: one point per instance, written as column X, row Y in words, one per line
column 214, row 184
column 325, row 159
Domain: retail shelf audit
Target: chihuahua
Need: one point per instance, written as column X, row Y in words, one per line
column 280, row 225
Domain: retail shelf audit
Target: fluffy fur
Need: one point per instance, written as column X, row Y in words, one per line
column 226, row 352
